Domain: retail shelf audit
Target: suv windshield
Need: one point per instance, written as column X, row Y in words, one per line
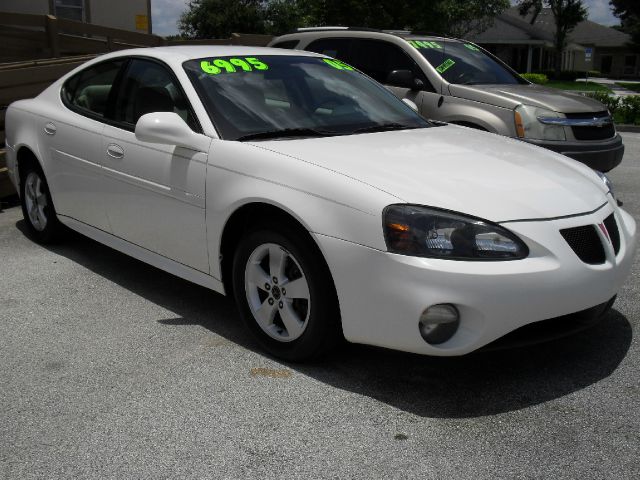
column 465, row 63
column 274, row 96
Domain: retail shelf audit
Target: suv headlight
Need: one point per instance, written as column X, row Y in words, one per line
column 428, row 232
column 528, row 125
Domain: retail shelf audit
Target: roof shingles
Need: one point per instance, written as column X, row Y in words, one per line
column 511, row 26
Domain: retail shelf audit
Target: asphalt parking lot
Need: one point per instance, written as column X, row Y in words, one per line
column 110, row 368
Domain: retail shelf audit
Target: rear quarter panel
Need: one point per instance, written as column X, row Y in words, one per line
column 20, row 133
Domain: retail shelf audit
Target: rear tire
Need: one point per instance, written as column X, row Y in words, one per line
column 37, row 207
column 285, row 294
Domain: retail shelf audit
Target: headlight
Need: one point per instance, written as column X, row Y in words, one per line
column 528, row 126
column 428, row 232
column 606, row 181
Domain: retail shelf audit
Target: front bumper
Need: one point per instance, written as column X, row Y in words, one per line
column 382, row 295
column 602, row 155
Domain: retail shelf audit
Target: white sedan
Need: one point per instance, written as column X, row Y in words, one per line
column 326, row 206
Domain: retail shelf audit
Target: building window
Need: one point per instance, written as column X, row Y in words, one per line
column 69, row 9
column 606, row 63
column 630, row 65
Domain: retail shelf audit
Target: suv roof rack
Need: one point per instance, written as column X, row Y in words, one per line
column 397, row 32
column 330, row 28
column 430, row 34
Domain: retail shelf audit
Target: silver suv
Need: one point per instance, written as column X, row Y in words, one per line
column 459, row 82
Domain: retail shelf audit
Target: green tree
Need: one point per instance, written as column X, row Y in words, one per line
column 448, row 17
column 460, row 18
column 567, row 14
column 628, row 11
column 281, row 16
column 220, row 18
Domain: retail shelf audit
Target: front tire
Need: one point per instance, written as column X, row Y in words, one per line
column 285, row 294
column 37, row 207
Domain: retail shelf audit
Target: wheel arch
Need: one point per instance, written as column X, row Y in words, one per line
column 25, row 156
column 252, row 216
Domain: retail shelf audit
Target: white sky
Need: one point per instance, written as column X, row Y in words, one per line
column 165, row 14
column 600, row 12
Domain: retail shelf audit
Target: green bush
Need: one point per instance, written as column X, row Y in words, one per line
column 630, row 109
column 539, row 78
column 612, row 103
column 624, row 110
column 595, row 73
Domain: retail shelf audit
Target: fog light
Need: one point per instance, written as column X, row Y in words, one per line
column 438, row 323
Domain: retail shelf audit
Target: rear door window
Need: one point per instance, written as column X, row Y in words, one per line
column 88, row 92
column 378, row 59
column 333, row 47
column 290, row 44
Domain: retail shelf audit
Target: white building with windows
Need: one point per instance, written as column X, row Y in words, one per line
column 134, row 15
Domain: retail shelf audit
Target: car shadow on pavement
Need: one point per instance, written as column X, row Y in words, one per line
column 479, row 384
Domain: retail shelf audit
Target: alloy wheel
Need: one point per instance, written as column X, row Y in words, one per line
column 36, row 201
column 277, row 292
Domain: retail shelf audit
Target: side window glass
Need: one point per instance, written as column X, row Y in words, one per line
column 378, row 59
column 89, row 90
column 290, row 44
column 149, row 87
column 333, row 47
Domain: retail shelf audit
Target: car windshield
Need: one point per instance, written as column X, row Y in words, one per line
column 273, row 96
column 465, row 63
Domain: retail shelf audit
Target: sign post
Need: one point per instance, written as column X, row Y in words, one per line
column 587, row 59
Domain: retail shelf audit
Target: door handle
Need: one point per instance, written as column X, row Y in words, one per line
column 50, row 129
column 115, row 151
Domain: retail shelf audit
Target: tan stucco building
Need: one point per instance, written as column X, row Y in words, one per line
column 530, row 48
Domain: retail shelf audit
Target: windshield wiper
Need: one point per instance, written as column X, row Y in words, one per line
column 287, row 132
column 384, row 127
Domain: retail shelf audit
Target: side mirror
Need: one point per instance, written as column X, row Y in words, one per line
column 404, row 79
column 169, row 128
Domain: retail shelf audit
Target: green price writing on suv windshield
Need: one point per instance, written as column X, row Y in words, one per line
column 337, row 64
column 446, row 65
column 232, row 65
column 424, row 44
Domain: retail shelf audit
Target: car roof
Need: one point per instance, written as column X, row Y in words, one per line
column 182, row 53
column 329, row 32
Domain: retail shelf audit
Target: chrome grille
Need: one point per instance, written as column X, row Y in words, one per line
column 592, row 132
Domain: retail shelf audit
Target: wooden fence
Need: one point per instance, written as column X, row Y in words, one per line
column 29, row 37
column 26, row 36
column 39, row 49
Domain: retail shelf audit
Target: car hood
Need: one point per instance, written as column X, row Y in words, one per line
column 510, row 96
column 456, row 168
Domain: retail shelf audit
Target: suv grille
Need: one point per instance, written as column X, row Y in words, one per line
column 592, row 133
column 614, row 234
column 585, row 242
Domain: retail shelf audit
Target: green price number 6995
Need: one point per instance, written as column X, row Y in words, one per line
column 218, row 65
